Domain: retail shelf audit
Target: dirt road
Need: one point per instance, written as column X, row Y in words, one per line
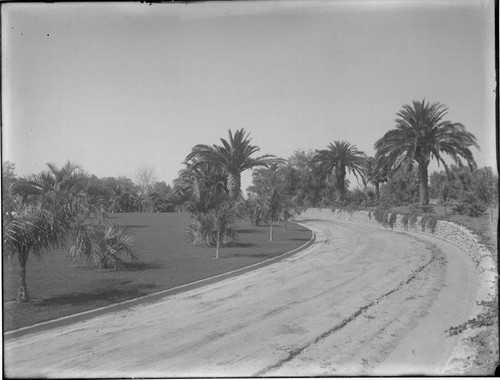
column 360, row 301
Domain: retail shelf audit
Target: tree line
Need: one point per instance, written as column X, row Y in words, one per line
column 58, row 205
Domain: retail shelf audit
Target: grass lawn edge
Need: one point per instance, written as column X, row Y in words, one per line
column 150, row 298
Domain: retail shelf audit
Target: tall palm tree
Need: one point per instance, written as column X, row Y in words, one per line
column 45, row 209
column 375, row 174
column 341, row 157
column 233, row 157
column 420, row 135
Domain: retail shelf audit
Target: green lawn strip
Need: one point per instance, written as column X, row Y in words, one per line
column 166, row 260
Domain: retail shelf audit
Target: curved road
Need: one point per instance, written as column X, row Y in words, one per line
column 361, row 301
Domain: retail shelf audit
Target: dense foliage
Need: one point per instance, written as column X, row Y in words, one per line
column 43, row 211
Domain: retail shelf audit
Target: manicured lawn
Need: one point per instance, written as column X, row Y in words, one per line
column 165, row 260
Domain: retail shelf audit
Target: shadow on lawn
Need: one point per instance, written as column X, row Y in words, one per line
column 241, row 245
column 247, row 231
column 115, row 295
column 137, row 266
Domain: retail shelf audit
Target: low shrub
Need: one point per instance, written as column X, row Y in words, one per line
column 459, row 209
column 427, row 209
column 412, row 220
column 392, row 219
column 428, row 222
column 379, row 215
column 404, row 220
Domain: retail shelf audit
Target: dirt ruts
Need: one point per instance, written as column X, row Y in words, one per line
column 345, row 306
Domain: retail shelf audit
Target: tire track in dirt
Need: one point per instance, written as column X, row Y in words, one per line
column 436, row 255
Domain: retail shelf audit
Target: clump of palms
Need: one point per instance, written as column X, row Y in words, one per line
column 420, row 135
column 102, row 244
column 215, row 227
column 200, row 186
column 46, row 209
column 233, row 157
column 339, row 158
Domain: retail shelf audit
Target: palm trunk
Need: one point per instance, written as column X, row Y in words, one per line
column 22, row 293
column 341, row 181
column 217, row 246
column 377, row 192
column 271, row 231
column 424, row 187
column 234, row 185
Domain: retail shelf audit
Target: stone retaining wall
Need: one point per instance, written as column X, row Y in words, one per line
column 448, row 231
column 484, row 260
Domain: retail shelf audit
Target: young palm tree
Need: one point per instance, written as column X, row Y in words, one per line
column 47, row 206
column 233, row 157
column 102, row 243
column 30, row 228
column 215, row 227
column 420, row 135
column 339, row 158
column 375, row 174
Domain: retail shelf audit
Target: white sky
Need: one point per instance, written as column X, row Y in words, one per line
column 119, row 86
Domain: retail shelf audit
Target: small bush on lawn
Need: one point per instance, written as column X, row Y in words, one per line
column 428, row 209
column 412, row 220
column 392, row 219
column 383, row 217
column 102, row 244
column 379, row 215
column 459, row 209
column 428, row 222
column 404, row 220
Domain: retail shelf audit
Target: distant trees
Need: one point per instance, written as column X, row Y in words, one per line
column 375, row 174
column 122, row 194
column 339, row 158
column 305, row 179
column 145, row 178
column 420, row 135
column 472, row 192
column 8, row 179
column 269, row 198
column 402, row 188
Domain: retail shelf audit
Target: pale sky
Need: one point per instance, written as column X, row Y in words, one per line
column 119, row 86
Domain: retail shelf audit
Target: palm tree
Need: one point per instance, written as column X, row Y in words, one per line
column 420, row 135
column 233, row 157
column 375, row 174
column 200, row 186
column 45, row 209
column 29, row 228
column 102, row 243
column 214, row 227
column 339, row 158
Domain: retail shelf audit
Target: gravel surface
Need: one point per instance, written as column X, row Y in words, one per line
column 360, row 301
